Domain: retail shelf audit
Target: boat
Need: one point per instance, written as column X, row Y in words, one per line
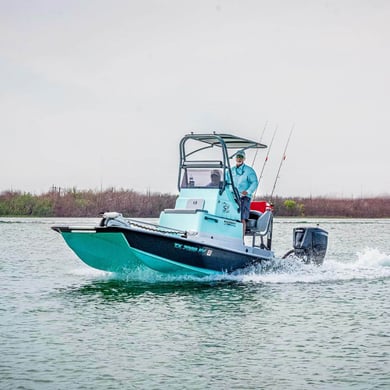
column 203, row 234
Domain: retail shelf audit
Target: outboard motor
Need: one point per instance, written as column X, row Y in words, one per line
column 310, row 244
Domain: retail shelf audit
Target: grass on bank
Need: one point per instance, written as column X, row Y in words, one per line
column 82, row 203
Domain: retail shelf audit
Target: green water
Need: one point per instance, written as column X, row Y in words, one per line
column 66, row 326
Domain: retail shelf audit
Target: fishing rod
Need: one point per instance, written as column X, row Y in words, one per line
column 266, row 159
column 261, row 138
column 281, row 161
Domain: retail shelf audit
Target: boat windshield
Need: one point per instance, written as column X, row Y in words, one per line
column 204, row 159
column 202, row 178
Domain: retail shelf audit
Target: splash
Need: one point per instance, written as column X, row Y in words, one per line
column 368, row 264
column 373, row 257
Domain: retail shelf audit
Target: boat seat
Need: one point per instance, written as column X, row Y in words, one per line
column 192, row 206
column 259, row 223
column 183, row 211
column 251, row 222
column 264, row 222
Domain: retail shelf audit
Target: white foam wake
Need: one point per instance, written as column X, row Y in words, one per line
column 368, row 264
column 373, row 257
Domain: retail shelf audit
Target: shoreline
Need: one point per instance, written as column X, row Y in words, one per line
column 132, row 204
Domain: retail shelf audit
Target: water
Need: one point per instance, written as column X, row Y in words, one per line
column 66, row 326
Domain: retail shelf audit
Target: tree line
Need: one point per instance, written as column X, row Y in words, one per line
column 87, row 203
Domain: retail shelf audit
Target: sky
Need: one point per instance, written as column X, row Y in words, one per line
column 97, row 94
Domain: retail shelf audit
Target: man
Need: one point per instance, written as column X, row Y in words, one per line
column 215, row 179
column 245, row 180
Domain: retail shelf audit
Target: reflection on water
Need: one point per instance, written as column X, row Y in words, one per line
column 123, row 288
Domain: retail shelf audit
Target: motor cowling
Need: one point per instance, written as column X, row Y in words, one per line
column 310, row 244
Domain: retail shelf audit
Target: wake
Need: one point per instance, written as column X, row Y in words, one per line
column 369, row 264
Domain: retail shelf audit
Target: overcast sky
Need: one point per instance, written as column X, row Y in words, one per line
column 97, row 94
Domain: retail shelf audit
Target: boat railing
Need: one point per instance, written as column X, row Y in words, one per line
column 114, row 219
column 155, row 227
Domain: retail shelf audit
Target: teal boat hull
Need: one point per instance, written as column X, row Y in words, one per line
column 107, row 252
column 123, row 250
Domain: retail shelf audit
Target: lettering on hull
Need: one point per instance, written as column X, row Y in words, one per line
column 189, row 248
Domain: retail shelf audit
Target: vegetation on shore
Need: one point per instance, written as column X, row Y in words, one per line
column 76, row 203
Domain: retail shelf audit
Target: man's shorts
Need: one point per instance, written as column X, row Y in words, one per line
column 245, row 207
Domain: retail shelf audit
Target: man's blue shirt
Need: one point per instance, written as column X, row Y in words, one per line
column 245, row 179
